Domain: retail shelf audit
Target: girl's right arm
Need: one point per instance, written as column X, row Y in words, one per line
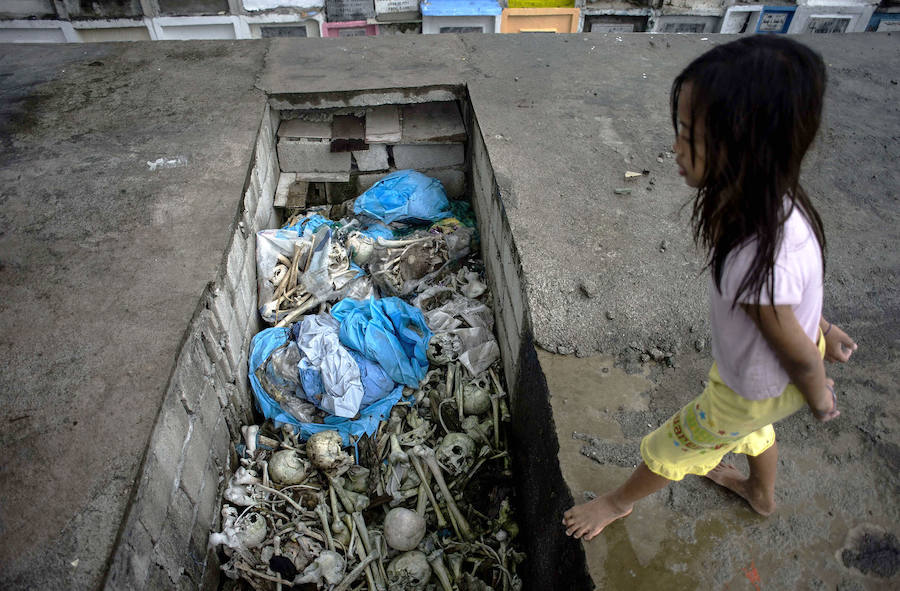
column 798, row 355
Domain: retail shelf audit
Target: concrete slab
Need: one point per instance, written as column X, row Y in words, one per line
column 300, row 128
column 562, row 118
column 383, row 124
column 373, row 158
column 103, row 262
column 433, row 123
column 421, row 156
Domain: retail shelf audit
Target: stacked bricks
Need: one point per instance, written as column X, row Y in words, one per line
column 190, row 457
column 347, row 153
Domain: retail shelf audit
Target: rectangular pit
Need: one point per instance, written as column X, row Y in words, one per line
column 163, row 542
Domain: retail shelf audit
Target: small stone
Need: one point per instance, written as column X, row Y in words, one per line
column 663, row 245
column 659, row 159
column 699, row 344
column 589, row 495
column 644, row 358
column 589, row 288
column 692, row 328
column 656, row 354
column 634, row 345
column 610, row 315
column 622, row 191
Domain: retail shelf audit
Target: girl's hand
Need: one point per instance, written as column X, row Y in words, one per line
column 838, row 346
column 823, row 415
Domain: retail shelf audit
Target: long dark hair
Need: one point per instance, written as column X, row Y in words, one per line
column 760, row 99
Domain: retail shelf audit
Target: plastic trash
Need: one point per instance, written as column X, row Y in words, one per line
column 317, row 279
column 388, row 331
column 270, row 244
column 376, row 382
column 375, row 230
column 281, row 370
column 453, row 311
column 404, row 195
column 261, row 348
column 311, row 223
column 479, row 349
column 342, row 390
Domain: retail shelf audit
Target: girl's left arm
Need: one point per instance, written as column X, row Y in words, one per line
column 838, row 345
column 798, row 355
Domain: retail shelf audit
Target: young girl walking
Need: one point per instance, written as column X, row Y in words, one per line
column 745, row 114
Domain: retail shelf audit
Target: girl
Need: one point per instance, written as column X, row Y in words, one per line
column 744, row 115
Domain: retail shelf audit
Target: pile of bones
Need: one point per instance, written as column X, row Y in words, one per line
column 422, row 501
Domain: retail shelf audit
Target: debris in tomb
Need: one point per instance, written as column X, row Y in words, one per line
column 383, row 462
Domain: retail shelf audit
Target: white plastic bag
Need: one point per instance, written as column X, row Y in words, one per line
column 318, row 341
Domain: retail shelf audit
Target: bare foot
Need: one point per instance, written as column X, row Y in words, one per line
column 589, row 519
column 731, row 478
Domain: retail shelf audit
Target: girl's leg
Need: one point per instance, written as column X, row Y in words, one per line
column 589, row 519
column 758, row 489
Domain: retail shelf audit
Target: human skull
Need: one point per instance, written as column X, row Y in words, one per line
column 456, row 453
column 251, row 531
column 444, row 348
column 287, row 467
column 325, row 453
column 477, row 396
column 361, row 247
column 409, row 571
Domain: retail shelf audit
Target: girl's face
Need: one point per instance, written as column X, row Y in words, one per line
column 691, row 170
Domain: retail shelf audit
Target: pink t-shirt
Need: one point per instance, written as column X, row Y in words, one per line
column 746, row 363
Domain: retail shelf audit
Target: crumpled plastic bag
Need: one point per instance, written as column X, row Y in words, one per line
column 376, row 382
column 270, row 244
column 388, row 331
column 404, row 195
column 342, row 390
column 317, row 279
column 479, row 349
column 310, row 223
column 261, row 348
column 281, row 370
column 446, row 310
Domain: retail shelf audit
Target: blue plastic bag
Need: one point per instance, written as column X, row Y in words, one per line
column 388, row 331
column 311, row 223
column 261, row 347
column 376, row 382
column 404, row 195
column 377, row 230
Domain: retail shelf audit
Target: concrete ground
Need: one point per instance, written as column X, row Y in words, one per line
column 103, row 258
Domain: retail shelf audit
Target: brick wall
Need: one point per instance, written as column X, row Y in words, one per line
column 555, row 560
column 163, row 543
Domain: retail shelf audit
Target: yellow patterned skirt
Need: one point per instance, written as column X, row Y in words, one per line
column 715, row 423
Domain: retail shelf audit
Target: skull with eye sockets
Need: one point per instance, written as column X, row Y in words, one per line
column 456, row 453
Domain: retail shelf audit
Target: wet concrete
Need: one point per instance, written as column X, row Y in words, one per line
column 837, row 503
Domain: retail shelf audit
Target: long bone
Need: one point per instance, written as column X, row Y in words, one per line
column 323, row 517
column 354, row 574
column 365, row 549
column 495, row 406
column 436, row 560
column 417, row 466
column 305, row 307
column 462, row 526
column 458, row 390
column 385, row 243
